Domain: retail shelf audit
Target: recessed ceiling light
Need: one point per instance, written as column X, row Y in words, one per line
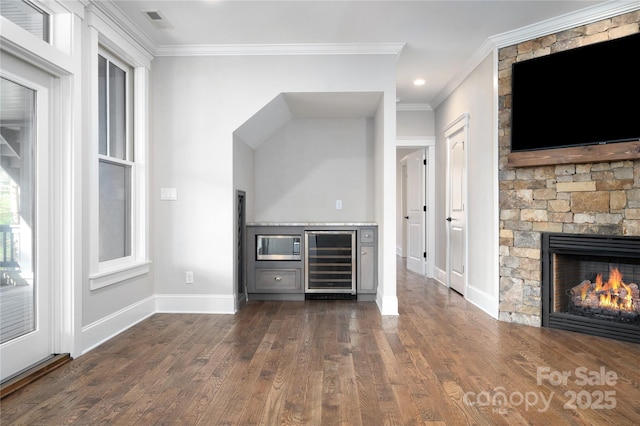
column 419, row 82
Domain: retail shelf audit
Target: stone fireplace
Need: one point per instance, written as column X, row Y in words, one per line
column 586, row 197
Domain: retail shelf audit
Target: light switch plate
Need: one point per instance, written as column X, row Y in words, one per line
column 168, row 194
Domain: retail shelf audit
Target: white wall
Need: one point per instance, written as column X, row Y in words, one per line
column 308, row 164
column 384, row 201
column 476, row 96
column 412, row 124
column 244, row 177
column 199, row 102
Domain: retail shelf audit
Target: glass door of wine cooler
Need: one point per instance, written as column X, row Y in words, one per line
column 330, row 262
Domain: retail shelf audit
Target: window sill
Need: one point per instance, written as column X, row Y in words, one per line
column 118, row 274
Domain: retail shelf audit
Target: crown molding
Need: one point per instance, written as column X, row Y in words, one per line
column 112, row 14
column 413, row 107
column 550, row 26
column 281, row 49
column 565, row 22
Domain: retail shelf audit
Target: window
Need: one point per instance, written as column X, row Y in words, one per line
column 27, row 16
column 118, row 174
column 115, row 160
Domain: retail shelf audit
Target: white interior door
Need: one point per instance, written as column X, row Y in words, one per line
column 25, row 252
column 456, row 211
column 416, row 212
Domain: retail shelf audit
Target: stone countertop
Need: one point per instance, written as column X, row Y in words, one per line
column 312, row 224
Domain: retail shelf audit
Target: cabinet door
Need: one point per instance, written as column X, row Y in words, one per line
column 367, row 263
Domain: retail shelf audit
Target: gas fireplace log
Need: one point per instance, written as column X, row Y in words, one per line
column 575, row 293
column 584, row 295
column 635, row 292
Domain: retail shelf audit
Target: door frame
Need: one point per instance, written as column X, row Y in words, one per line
column 429, row 145
column 53, row 307
column 460, row 124
column 65, row 169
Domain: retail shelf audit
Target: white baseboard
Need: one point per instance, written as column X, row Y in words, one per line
column 399, row 251
column 441, row 276
column 482, row 300
column 195, row 303
column 387, row 305
column 105, row 328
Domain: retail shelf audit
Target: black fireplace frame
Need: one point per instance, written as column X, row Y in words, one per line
column 584, row 245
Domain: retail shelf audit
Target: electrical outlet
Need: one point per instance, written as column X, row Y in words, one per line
column 189, row 277
column 338, row 204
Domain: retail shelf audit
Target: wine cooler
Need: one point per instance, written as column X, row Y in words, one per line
column 330, row 263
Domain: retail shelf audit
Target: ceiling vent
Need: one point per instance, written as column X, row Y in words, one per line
column 157, row 18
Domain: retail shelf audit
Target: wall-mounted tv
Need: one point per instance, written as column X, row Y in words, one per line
column 583, row 96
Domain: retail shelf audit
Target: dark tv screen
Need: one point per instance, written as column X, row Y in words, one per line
column 583, row 96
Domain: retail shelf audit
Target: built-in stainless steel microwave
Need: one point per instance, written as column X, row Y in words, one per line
column 277, row 247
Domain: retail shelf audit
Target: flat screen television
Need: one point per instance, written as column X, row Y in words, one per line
column 583, row 96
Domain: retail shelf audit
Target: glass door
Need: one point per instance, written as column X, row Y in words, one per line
column 25, row 308
column 330, row 262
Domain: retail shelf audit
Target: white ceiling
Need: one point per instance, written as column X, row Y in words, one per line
column 439, row 37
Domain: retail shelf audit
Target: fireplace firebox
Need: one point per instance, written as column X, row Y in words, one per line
column 590, row 284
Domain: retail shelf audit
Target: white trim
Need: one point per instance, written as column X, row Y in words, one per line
column 563, row 22
column 67, row 162
column 116, row 40
column 482, row 300
column 413, row 107
column 196, row 303
column 35, row 51
column 61, row 6
column 110, row 326
column 440, row 276
column 458, row 125
column 281, row 49
column 124, row 25
column 494, row 248
column 387, row 305
column 103, row 274
column 116, row 275
column 415, row 141
column 550, row 26
column 429, row 145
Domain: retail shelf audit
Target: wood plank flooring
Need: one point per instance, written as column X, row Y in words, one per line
column 442, row 361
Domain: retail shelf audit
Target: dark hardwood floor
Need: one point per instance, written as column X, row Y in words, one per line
column 441, row 361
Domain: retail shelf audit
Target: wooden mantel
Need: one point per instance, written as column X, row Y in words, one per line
column 576, row 155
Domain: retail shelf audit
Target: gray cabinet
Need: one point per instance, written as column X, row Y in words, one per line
column 367, row 263
column 273, row 277
column 281, row 276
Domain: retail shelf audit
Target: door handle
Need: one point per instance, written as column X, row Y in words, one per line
column 449, row 219
column 406, row 217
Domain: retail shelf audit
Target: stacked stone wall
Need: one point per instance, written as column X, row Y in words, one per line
column 595, row 198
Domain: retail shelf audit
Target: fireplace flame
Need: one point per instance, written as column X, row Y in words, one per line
column 613, row 294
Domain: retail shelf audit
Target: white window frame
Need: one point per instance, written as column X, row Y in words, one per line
column 129, row 153
column 108, row 42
